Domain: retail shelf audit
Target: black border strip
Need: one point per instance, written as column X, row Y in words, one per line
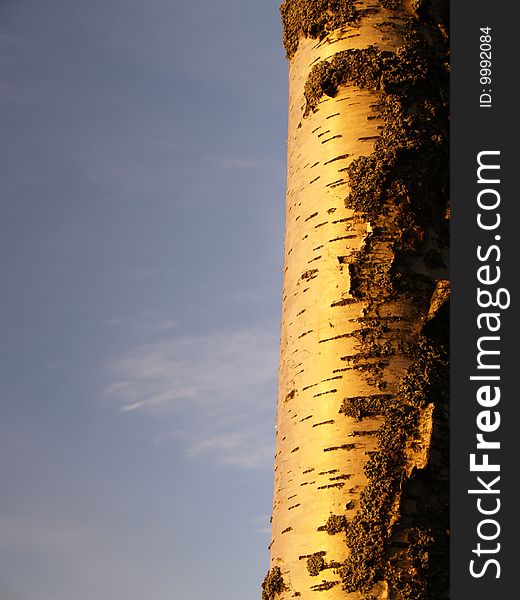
column 475, row 129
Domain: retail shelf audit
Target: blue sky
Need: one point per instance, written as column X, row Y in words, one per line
column 141, row 196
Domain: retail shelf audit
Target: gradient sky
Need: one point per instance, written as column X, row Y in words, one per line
column 141, row 196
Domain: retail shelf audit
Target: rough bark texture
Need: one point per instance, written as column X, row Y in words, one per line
column 361, row 470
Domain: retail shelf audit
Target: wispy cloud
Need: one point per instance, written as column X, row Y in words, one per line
column 221, row 386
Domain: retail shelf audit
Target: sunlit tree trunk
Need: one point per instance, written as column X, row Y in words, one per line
column 360, row 492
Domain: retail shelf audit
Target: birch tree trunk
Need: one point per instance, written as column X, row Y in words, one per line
column 361, row 491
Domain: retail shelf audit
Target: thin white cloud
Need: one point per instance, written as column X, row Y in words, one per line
column 221, row 386
column 229, row 367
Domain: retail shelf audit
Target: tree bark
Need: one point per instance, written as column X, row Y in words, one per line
column 361, row 468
